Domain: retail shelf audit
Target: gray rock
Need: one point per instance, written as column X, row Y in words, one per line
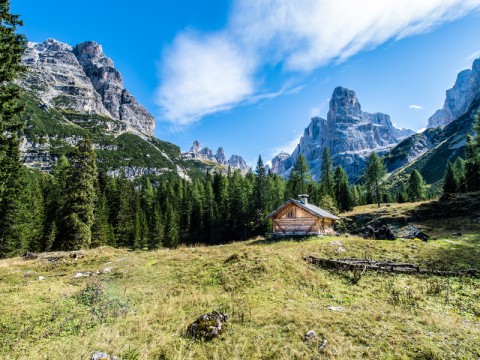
column 97, row 355
column 204, row 153
column 207, row 326
column 459, row 98
column 310, row 336
column 348, row 132
column 84, row 80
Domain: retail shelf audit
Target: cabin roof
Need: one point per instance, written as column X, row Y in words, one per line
column 314, row 210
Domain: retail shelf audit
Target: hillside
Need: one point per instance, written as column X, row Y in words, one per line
column 141, row 308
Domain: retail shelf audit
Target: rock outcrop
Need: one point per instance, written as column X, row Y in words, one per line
column 206, row 154
column 82, row 80
column 350, row 134
column 459, row 98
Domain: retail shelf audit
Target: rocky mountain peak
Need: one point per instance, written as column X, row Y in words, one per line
column 206, row 154
column 82, row 80
column 343, row 102
column 349, row 133
column 196, row 147
column 459, row 98
column 91, row 52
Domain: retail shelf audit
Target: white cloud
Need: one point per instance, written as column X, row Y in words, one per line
column 202, row 76
column 415, row 107
column 288, row 147
column 421, row 130
column 473, row 56
column 206, row 73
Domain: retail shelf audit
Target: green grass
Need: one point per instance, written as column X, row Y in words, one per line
column 272, row 295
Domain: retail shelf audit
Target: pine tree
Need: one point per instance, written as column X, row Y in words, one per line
column 327, row 185
column 299, row 177
column 416, row 186
column 260, row 198
column 343, row 196
column 472, row 153
column 374, row 174
column 402, row 195
column 450, row 182
column 79, row 203
column 172, row 230
column 459, row 169
column 12, row 47
column 125, row 222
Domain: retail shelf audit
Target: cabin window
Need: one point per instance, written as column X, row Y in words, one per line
column 291, row 214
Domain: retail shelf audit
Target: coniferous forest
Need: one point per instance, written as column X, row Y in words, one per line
column 78, row 206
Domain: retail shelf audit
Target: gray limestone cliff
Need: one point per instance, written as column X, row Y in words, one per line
column 459, row 98
column 82, row 79
column 348, row 132
column 206, row 154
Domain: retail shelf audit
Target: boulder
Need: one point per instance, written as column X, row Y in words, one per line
column 207, row 326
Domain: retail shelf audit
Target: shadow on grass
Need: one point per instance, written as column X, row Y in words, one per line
column 274, row 240
column 459, row 254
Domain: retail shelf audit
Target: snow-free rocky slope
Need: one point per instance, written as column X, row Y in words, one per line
column 429, row 151
column 350, row 133
column 73, row 92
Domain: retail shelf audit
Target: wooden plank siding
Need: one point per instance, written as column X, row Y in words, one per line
column 293, row 220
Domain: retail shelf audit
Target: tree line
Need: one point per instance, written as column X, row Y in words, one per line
column 78, row 206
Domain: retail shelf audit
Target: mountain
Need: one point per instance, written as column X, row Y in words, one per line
column 459, row 98
column 73, row 92
column 350, row 134
column 205, row 154
column 429, row 151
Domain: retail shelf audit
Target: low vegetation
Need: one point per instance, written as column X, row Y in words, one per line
column 142, row 308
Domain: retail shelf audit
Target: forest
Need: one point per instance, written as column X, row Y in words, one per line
column 79, row 206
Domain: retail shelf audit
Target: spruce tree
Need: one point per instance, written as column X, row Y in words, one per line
column 343, row 196
column 79, row 203
column 459, row 169
column 472, row 164
column 450, row 182
column 373, row 178
column 299, row 177
column 260, row 198
column 12, row 47
column 327, row 185
column 416, row 186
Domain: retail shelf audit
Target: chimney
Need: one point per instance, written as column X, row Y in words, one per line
column 303, row 199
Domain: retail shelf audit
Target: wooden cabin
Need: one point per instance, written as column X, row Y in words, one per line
column 299, row 218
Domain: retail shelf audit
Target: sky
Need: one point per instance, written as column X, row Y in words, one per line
column 248, row 75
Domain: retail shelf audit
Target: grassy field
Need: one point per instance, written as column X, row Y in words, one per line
column 141, row 309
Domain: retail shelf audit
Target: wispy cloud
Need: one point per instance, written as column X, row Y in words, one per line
column 287, row 147
column 473, row 56
column 415, row 107
column 203, row 74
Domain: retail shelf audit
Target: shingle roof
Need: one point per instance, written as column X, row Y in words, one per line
column 315, row 210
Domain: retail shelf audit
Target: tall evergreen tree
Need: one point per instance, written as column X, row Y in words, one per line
column 343, row 196
column 416, row 186
column 79, row 206
column 472, row 163
column 327, row 184
column 12, row 47
column 450, row 182
column 373, row 178
column 459, row 169
column 260, row 198
column 299, row 177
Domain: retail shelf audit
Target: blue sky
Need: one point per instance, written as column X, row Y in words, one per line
column 249, row 74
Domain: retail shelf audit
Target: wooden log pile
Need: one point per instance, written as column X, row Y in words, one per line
column 384, row 266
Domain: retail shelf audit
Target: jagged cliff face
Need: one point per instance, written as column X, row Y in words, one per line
column 206, row 154
column 459, row 98
column 83, row 80
column 349, row 133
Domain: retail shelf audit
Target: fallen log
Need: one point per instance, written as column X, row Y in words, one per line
column 383, row 266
